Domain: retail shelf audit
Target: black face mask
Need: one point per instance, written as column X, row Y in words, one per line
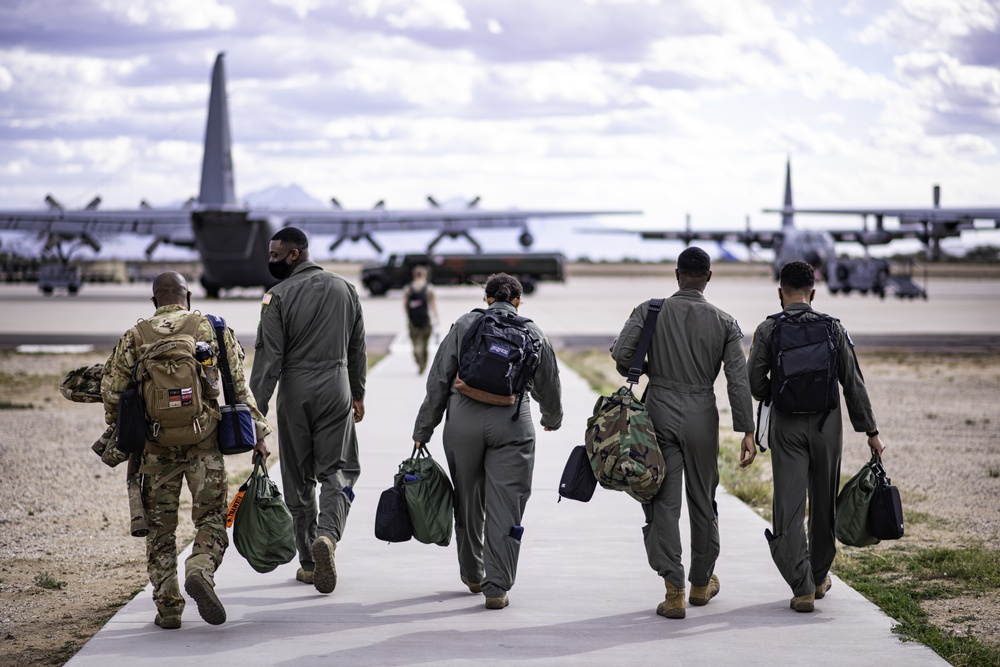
column 280, row 268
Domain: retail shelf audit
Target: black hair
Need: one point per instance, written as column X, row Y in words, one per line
column 797, row 276
column 503, row 287
column 292, row 236
column 694, row 262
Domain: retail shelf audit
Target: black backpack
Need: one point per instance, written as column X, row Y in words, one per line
column 498, row 354
column 804, row 363
column 417, row 309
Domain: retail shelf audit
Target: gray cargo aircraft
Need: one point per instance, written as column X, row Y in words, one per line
column 928, row 225
column 232, row 240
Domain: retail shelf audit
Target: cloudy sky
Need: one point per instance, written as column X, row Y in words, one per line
column 662, row 105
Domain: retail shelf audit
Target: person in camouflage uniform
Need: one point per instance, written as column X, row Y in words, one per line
column 691, row 342
column 164, row 469
column 490, row 456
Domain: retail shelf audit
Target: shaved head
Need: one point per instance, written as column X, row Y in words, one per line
column 170, row 287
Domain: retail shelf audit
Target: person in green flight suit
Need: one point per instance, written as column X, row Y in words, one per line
column 692, row 341
column 490, row 449
column 806, row 450
column 311, row 339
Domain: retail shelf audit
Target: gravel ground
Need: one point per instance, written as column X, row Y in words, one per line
column 67, row 562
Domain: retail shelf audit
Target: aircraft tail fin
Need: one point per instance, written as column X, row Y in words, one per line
column 787, row 216
column 217, row 183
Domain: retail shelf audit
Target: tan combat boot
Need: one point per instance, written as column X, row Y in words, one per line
column 673, row 605
column 497, row 603
column 304, row 575
column 325, row 574
column 202, row 591
column 823, row 588
column 167, row 622
column 700, row 595
column 473, row 588
column 803, row 603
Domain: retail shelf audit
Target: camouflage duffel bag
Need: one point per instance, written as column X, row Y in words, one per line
column 621, row 445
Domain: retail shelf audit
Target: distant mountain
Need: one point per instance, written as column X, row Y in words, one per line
column 280, row 197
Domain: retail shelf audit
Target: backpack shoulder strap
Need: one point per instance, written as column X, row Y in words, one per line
column 144, row 333
column 635, row 366
column 190, row 326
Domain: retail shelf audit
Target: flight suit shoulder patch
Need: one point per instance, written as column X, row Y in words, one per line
column 267, row 299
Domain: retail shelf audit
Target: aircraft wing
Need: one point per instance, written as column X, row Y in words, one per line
column 765, row 239
column 943, row 220
column 345, row 222
column 172, row 224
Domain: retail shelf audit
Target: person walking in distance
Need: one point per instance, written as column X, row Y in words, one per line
column 420, row 305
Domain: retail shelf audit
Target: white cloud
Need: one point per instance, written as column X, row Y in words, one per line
column 932, row 23
column 426, row 14
column 175, row 14
column 300, row 7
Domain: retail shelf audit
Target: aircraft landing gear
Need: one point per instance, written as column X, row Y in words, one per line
column 211, row 289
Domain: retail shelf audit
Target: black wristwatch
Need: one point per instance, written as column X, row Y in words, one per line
column 871, row 434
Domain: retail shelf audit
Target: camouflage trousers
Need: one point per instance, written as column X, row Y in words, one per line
column 164, row 472
column 420, row 337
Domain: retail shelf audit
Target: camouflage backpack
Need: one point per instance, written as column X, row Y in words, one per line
column 170, row 381
column 620, row 439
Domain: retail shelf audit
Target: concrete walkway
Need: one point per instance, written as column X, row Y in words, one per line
column 584, row 594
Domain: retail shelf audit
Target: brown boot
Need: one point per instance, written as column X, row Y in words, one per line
column 497, row 603
column 203, row 592
column 167, row 622
column 700, row 595
column 823, row 588
column 673, row 605
column 473, row 588
column 325, row 574
column 304, row 575
column 803, row 603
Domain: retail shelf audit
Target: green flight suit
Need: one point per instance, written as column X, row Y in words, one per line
column 490, row 456
column 692, row 341
column 311, row 338
column 806, row 462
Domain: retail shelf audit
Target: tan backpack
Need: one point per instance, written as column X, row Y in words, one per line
column 170, row 380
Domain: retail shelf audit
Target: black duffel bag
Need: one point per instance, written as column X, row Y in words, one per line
column 885, row 514
column 392, row 519
column 578, row 481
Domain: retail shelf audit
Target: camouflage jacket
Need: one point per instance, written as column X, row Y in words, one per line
column 166, row 319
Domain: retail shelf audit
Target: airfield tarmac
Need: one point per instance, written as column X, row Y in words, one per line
column 584, row 311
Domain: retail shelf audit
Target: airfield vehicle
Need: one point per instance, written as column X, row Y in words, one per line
column 59, row 276
column 529, row 268
column 868, row 274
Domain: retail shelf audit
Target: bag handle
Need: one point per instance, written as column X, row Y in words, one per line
column 635, row 366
